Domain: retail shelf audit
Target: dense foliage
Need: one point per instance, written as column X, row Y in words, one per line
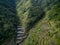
column 31, row 11
column 41, row 14
column 8, row 23
column 47, row 30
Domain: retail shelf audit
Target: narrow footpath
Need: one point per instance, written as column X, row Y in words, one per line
column 20, row 35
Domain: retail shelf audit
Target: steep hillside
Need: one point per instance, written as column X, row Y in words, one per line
column 8, row 21
column 47, row 30
column 38, row 18
column 31, row 11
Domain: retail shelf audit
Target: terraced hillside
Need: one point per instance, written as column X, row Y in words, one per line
column 29, row 22
column 41, row 17
column 47, row 30
column 31, row 11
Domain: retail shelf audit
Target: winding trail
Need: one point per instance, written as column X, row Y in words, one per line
column 20, row 35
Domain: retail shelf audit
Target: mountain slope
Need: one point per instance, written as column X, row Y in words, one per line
column 31, row 11
column 47, row 30
column 8, row 21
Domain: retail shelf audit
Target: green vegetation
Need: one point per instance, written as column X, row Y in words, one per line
column 40, row 17
column 31, row 11
column 8, row 23
column 47, row 30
